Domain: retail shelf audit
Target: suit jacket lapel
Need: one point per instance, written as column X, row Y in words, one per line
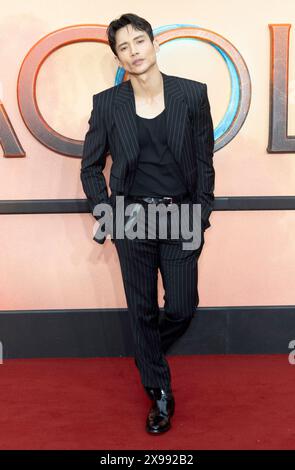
column 125, row 118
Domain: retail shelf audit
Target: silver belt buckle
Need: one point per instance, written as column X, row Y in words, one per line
column 149, row 200
column 171, row 200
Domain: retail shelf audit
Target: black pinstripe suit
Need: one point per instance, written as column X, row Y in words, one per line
column 190, row 136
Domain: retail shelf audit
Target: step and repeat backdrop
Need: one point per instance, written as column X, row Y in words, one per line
column 54, row 57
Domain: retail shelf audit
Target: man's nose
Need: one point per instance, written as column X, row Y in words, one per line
column 133, row 50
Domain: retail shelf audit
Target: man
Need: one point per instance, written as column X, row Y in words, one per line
column 159, row 131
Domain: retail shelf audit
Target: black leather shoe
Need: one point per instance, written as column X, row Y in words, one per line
column 158, row 419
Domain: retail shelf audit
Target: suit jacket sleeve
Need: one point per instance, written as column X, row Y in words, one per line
column 95, row 150
column 204, row 142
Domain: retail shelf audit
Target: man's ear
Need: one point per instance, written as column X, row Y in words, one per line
column 118, row 61
column 156, row 45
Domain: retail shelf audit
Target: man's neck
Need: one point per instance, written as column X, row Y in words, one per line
column 147, row 86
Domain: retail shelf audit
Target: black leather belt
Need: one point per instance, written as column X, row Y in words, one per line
column 159, row 199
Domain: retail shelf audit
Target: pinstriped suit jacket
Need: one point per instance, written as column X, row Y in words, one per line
column 113, row 129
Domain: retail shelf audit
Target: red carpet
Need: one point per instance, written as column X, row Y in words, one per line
column 222, row 402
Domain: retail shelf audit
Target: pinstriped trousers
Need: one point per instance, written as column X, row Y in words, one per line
column 140, row 261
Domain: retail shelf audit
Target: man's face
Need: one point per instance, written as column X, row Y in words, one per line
column 133, row 44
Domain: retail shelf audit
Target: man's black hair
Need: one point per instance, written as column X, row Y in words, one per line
column 127, row 18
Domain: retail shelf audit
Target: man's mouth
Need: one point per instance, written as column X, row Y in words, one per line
column 136, row 62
